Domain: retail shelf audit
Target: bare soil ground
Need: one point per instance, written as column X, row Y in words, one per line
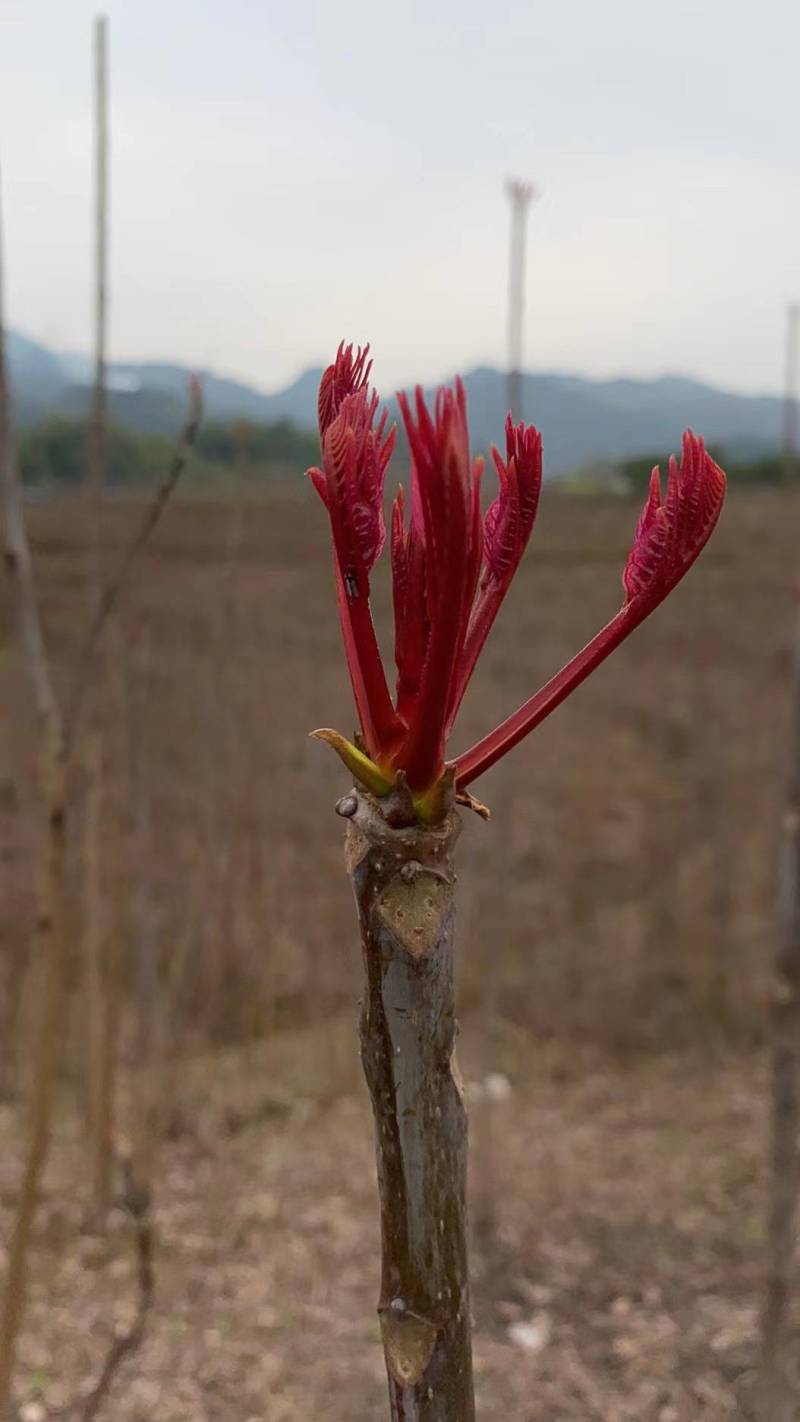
column 617, row 1262
column 616, row 927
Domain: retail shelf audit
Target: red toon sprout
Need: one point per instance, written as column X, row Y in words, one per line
column 451, row 569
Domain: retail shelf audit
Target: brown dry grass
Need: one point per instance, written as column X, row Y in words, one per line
column 622, row 901
column 628, row 1237
column 628, row 875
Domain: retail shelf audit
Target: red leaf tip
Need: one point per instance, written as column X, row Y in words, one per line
column 674, row 528
column 346, row 376
column 510, row 518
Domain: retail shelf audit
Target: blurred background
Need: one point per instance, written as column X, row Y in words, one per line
column 280, row 178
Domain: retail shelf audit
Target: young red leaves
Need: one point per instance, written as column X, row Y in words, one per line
column 350, row 484
column 506, row 529
column 451, row 570
column 669, row 536
column 673, row 531
column 446, row 542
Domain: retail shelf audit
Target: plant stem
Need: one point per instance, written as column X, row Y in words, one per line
column 403, row 883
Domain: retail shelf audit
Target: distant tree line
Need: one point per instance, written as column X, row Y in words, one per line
column 55, row 452
column 766, row 469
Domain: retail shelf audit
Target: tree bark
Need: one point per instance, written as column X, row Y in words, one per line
column 403, row 882
column 778, row 1399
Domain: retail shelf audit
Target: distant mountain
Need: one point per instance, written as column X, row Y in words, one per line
column 582, row 421
column 137, row 381
column 37, row 378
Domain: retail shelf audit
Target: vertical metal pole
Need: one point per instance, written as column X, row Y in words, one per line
column 520, row 195
column 97, row 441
column 98, row 932
column 790, row 395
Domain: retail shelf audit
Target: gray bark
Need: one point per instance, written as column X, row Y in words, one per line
column 403, row 882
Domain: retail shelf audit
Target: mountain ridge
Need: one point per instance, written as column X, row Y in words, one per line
column 583, row 421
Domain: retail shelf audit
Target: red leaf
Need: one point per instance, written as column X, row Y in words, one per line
column 350, row 484
column 506, row 530
column 673, row 531
column 412, row 624
column 348, row 374
column 509, row 520
column 669, row 536
column 446, row 503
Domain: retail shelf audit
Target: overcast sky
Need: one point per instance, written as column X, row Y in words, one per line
column 285, row 174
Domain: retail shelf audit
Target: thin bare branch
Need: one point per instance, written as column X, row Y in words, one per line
column 136, row 1199
column 16, row 548
column 117, row 582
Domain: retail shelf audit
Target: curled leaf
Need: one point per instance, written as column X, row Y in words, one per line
column 364, row 770
column 674, row 529
column 346, row 376
column 510, row 518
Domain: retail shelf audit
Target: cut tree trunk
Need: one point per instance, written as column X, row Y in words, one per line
column 404, row 887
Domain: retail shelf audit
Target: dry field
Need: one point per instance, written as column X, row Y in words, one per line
column 616, row 1271
column 617, row 921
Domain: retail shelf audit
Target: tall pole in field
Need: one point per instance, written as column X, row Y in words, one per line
column 790, row 394
column 97, row 937
column 97, row 442
column 520, row 194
